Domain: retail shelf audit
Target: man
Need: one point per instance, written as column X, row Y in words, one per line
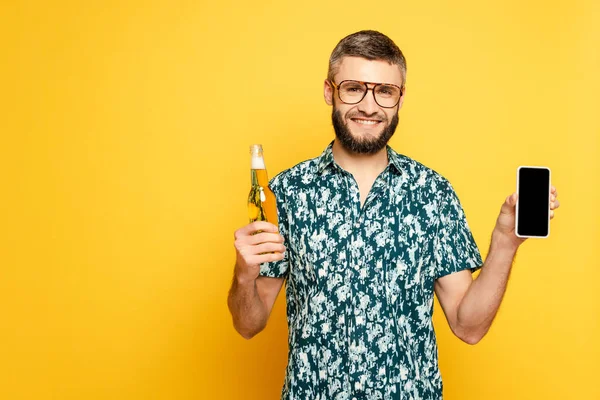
column 370, row 235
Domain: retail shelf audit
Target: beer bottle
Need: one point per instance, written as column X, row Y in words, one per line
column 261, row 201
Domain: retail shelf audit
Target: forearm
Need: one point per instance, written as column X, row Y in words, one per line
column 481, row 302
column 247, row 309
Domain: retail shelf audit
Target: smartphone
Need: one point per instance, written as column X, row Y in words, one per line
column 532, row 218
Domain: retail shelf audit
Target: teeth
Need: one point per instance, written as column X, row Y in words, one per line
column 365, row 122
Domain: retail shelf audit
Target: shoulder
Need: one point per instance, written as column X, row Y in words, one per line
column 300, row 175
column 418, row 176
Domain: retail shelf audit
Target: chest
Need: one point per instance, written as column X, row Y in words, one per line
column 364, row 187
column 379, row 246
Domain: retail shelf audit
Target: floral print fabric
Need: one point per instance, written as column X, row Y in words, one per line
column 360, row 280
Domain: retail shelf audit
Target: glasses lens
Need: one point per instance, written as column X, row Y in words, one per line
column 352, row 92
column 387, row 95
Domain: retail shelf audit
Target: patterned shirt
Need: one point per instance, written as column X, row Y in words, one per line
column 360, row 280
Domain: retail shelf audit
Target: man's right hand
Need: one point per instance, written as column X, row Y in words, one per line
column 253, row 249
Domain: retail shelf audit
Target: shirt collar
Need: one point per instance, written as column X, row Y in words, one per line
column 326, row 159
column 395, row 159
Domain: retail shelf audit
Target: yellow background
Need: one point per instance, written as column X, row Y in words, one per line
column 125, row 132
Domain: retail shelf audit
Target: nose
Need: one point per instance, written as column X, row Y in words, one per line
column 368, row 104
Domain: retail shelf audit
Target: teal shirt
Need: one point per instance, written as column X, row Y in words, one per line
column 360, row 280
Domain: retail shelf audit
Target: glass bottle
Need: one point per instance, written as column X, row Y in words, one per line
column 262, row 205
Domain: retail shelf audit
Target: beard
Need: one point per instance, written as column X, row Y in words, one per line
column 362, row 145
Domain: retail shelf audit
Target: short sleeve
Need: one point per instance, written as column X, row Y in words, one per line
column 454, row 246
column 278, row 269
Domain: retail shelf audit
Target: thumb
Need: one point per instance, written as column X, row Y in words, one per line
column 510, row 203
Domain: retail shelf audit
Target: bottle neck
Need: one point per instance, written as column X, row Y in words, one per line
column 258, row 171
column 259, row 177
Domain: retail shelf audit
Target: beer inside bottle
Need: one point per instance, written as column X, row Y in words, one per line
column 262, row 205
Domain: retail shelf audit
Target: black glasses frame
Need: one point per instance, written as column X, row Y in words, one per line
column 401, row 88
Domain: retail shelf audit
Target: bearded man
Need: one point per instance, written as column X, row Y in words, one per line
column 370, row 235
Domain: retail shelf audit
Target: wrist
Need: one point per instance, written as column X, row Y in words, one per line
column 502, row 241
column 244, row 278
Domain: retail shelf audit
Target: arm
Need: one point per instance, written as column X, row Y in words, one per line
column 251, row 302
column 251, row 296
column 470, row 306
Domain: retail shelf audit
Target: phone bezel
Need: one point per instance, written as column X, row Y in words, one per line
column 549, row 195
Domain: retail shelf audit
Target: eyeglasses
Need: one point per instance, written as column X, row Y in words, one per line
column 386, row 95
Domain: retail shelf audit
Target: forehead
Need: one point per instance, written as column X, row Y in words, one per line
column 361, row 69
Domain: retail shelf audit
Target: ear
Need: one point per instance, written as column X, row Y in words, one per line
column 328, row 92
column 402, row 98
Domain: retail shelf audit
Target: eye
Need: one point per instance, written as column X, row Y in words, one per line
column 388, row 91
column 354, row 88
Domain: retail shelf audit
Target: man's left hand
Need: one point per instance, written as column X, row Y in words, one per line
column 505, row 224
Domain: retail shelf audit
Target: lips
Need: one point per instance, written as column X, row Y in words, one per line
column 365, row 121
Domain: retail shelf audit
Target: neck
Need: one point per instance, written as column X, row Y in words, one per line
column 360, row 165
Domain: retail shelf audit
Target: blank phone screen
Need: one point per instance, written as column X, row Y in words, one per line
column 534, row 201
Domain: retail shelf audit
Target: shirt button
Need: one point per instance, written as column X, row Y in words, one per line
column 357, row 225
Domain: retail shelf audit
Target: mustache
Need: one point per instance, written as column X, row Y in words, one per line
column 361, row 114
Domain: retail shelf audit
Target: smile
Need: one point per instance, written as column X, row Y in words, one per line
column 365, row 121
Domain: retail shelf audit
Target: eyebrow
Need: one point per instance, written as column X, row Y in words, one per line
column 374, row 83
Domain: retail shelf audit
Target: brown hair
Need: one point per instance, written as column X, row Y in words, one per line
column 371, row 45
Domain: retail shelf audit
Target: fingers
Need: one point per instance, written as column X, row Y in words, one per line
column 263, row 237
column 254, row 227
column 254, row 255
column 247, row 251
column 243, row 241
column 254, row 248
column 263, row 258
column 268, row 248
column 554, row 203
